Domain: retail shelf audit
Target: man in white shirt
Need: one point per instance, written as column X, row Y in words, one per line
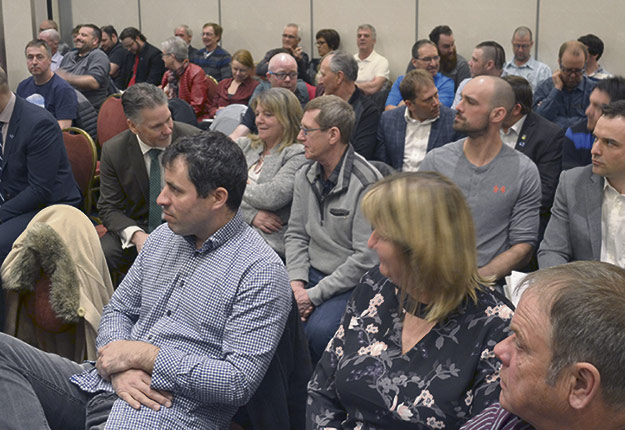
column 52, row 38
column 588, row 215
column 523, row 64
column 373, row 70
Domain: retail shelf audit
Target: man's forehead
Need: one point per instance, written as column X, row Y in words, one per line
column 445, row 39
column 86, row 30
column 309, row 118
column 364, row 31
column 284, row 64
column 290, row 30
column 478, row 89
column 35, row 50
column 611, row 128
column 426, row 49
column 569, row 60
column 524, row 38
column 154, row 114
column 427, row 91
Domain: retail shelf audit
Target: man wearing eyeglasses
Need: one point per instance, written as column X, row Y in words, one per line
column 523, row 64
column 564, row 97
column 425, row 57
column 290, row 43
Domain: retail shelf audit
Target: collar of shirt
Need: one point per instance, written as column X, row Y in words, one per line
column 369, row 58
column 5, row 118
column 411, row 120
column 608, row 189
column 146, row 148
column 333, row 179
column 529, row 64
column 221, row 236
column 512, row 136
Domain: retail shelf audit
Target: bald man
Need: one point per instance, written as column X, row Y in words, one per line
column 501, row 185
column 282, row 73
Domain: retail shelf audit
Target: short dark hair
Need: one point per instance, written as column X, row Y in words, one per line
column 331, row 37
column 218, row 29
column 613, row 86
column 38, row 43
column 435, row 34
column 133, row 33
column 414, row 81
column 96, row 30
column 213, row 160
column 141, row 96
column 614, row 109
column 522, row 92
column 494, row 52
column 418, row 44
column 593, row 43
column 110, row 30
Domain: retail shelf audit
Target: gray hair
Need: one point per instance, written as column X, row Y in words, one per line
column 176, row 47
column 584, row 301
column 4, row 82
column 522, row 31
column 297, row 27
column 52, row 33
column 186, row 29
column 142, row 96
column 333, row 112
column 341, row 61
column 368, row 27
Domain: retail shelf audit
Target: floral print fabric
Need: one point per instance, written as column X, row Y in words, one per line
column 364, row 382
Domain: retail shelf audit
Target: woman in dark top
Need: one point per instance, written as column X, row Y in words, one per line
column 240, row 87
column 415, row 346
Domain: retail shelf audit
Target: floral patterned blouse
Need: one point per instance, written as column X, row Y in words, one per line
column 364, row 382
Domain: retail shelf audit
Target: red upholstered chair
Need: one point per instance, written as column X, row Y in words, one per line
column 111, row 119
column 83, row 156
column 312, row 90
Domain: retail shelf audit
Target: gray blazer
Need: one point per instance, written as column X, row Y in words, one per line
column 274, row 189
column 574, row 230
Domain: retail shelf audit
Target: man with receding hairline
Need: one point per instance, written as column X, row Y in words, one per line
column 523, row 64
column 502, row 186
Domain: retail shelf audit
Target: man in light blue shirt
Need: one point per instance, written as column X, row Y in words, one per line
column 523, row 64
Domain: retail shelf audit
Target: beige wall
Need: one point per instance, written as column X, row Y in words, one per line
column 257, row 24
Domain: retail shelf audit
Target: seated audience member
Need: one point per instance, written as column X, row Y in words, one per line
column 239, row 88
column 48, row 24
column 579, row 137
column 273, row 156
column 290, row 43
column 418, row 335
column 373, row 69
column 585, row 219
column 188, row 335
column 145, row 64
column 594, row 71
column 562, row 368
column 35, row 171
column 327, row 40
column 523, row 64
column 87, row 67
column 487, row 59
column 422, row 124
column 282, row 74
column 52, row 39
column 424, row 57
column 111, row 45
column 131, row 176
column 563, row 97
column 338, row 75
column 213, row 58
column 184, row 32
column 501, row 185
column 536, row 137
column 326, row 241
column 45, row 88
column 453, row 65
column 184, row 80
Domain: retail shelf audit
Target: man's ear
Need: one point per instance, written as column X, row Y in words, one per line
column 334, row 135
column 132, row 126
column 221, row 197
column 498, row 114
column 584, row 384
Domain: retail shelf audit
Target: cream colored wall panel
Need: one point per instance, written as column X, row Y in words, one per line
column 603, row 18
column 118, row 13
column 394, row 22
column 257, row 25
column 18, row 31
column 159, row 18
column 477, row 20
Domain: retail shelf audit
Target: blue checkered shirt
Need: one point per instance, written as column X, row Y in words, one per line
column 217, row 315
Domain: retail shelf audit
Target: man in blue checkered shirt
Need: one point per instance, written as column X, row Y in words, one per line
column 190, row 332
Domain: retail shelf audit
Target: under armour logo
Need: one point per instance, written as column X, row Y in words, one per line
column 497, row 189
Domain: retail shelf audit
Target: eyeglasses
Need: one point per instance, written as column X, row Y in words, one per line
column 568, row 71
column 429, row 59
column 307, row 131
column 321, row 42
column 282, row 75
column 521, row 45
column 288, row 36
column 163, row 55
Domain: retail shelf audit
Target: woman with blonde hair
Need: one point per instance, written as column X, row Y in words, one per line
column 415, row 346
column 239, row 88
column 273, row 156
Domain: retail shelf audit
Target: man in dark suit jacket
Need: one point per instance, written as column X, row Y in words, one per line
column 34, row 171
column 124, row 178
column 586, row 221
column 146, row 58
column 539, row 139
column 407, row 133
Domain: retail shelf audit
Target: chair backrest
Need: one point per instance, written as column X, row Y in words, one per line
column 312, row 91
column 227, row 119
column 212, row 88
column 111, row 119
column 82, row 155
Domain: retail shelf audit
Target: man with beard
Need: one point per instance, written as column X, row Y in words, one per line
column 501, row 185
column 523, row 64
column 564, row 97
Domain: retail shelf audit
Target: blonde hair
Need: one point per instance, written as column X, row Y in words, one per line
column 283, row 104
column 427, row 218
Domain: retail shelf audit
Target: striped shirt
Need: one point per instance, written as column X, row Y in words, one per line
column 217, row 315
column 495, row 417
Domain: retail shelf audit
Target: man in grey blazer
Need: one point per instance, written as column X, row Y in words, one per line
column 125, row 172
column 587, row 219
column 405, row 134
